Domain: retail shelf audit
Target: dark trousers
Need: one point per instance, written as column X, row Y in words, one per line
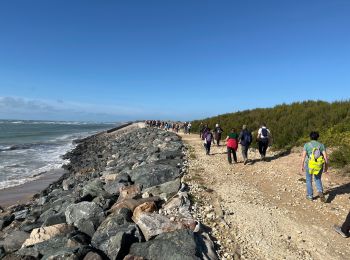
column 263, row 144
column 207, row 147
column 229, row 151
column 218, row 138
column 346, row 225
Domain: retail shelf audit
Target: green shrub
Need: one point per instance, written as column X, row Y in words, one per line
column 341, row 156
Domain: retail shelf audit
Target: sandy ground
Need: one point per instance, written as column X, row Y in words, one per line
column 259, row 210
column 23, row 193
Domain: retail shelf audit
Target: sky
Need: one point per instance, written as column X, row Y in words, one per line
column 174, row 59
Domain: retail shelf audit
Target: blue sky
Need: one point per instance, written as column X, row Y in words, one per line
column 183, row 59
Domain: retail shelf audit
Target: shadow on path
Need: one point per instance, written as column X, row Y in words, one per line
column 271, row 158
column 342, row 189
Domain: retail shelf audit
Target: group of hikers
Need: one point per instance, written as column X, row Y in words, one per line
column 314, row 158
column 233, row 139
column 168, row 125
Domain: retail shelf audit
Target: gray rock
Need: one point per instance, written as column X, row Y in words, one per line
column 170, row 188
column 112, row 187
column 93, row 256
column 114, row 238
column 67, row 184
column 20, row 215
column 177, row 245
column 6, row 219
column 47, row 214
column 86, row 226
column 15, row 240
column 28, row 226
column 154, row 174
column 55, row 219
column 84, row 210
column 94, row 189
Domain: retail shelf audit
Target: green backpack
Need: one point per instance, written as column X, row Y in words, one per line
column 316, row 161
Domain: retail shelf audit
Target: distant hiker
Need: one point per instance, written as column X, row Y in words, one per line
column 245, row 139
column 218, row 131
column 189, row 125
column 232, row 145
column 263, row 140
column 208, row 138
column 314, row 162
column 344, row 230
column 201, row 127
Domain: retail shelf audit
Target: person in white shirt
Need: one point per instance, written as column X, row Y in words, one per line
column 263, row 140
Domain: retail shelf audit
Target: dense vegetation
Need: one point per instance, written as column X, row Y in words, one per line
column 291, row 124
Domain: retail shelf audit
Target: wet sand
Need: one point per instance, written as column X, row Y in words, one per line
column 24, row 192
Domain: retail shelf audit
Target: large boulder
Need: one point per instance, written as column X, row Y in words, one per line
column 14, row 241
column 42, row 234
column 5, row 219
column 115, row 235
column 153, row 224
column 94, row 189
column 84, row 211
column 154, row 174
column 177, row 245
column 165, row 190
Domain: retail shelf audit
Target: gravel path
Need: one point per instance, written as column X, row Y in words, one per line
column 259, row 210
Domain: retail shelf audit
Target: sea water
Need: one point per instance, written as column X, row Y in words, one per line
column 29, row 149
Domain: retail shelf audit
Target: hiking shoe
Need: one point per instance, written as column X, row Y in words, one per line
column 245, row 162
column 322, row 197
column 310, row 198
column 339, row 231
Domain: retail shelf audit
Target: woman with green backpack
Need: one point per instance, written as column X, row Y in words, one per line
column 314, row 163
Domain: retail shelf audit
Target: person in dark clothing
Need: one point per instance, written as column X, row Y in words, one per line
column 218, row 131
column 263, row 140
column 245, row 139
column 344, row 230
column 232, row 145
column 208, row 138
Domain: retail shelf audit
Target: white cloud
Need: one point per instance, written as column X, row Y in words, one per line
column 23, row 108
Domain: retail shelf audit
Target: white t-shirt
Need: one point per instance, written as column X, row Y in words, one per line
column 260, row 133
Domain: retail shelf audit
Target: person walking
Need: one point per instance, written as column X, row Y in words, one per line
column 218, row 131
column 245, row 139
column 344, row 230
column 208, row 138
column 189, row 126
column 314, row 162
column 232, row 145
column 263, row 138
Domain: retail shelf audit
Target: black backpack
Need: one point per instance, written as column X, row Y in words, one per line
column 247, row 138
column 264, row 133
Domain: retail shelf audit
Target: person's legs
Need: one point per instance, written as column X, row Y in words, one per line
column 308, row 177
column 234, row 155
column 264, row 148
column 243, row 153
column 229, row 150
column 346, row 225
column 208, row 148
column 260, row 143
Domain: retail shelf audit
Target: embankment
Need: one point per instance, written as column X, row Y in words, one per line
column 121, row 198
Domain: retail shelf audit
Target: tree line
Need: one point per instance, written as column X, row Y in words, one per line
column 291, row 124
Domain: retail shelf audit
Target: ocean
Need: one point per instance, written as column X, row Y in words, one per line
column 30, row 149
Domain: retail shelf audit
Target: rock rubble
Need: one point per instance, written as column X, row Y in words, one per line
column 121, row 198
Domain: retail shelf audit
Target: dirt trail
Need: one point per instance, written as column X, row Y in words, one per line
column 259, row 210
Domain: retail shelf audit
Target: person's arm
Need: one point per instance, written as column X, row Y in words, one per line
column 325, row 156
column 259, row 132
column 303, row 157
column 227, row 138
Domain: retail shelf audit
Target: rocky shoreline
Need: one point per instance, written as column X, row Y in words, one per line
column 121, row 198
